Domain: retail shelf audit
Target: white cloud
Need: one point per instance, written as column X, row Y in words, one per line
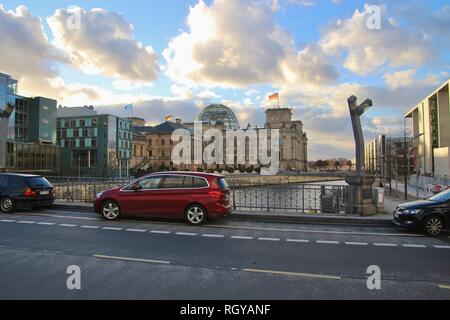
column 104, row 44
column 235, row 43
column 25, row 51
column 407, row 78
column 365, row 50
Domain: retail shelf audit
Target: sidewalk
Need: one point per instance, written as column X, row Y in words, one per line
column 381, row 219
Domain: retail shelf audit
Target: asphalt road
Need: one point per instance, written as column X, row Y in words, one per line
column 225, row 259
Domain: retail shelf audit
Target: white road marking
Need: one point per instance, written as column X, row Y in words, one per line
column 186, row 234
column 131, row 259
column 444, row 286
column 67, row 225
column 136, row 230
column 213, row 235
column 384, row 244
column 46, row 223
column 327, row 242
column 89, row 227
column 26, row 222
column 241, row 237
column 407, row 245
column 112, row 228
column 6, row 220
column 159, row 231
column 297, row 274
column 297, row 240
column 352, row 243
column 441, row 247
column 268, row 239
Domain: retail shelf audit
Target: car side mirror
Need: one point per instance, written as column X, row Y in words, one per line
column 136, row 187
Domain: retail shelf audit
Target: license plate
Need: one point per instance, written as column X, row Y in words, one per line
column 43, row 193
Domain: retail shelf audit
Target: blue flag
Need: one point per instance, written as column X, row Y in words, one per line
column 128, row 107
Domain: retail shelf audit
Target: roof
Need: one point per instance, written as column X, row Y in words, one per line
column 191, row 173
column 410, row 111
column 23, row 175
column 165, row 127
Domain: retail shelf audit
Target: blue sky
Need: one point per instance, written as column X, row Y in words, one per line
column 236, row 52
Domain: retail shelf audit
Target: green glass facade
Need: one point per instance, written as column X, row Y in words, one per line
column 94, row 145
column 30, row 137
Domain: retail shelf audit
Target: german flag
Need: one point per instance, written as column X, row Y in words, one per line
column 274, row 96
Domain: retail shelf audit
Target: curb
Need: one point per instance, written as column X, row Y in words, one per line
column 267, row 217
column 313, row 219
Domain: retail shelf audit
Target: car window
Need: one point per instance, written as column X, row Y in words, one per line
column 441, row 197
column 172, row 182
column 38, row 181
column 150, row 183
column 16, row 182
column 4, row 181
column 223, row 184
column 200, row 183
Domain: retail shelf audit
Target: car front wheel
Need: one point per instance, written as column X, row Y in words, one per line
column 7, row 205
column 195, row 214
column 110, row 210
column 433, row 226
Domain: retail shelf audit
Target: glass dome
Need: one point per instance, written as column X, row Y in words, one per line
column 219, row 112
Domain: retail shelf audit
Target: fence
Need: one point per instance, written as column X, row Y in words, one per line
column 301, row 198
column 83, row 188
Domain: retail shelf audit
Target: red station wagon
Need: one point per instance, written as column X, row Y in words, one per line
column 192, row 196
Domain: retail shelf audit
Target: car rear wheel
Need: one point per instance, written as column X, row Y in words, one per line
column 195, row 214
column 7, row 205
column 433, row 226
column 110, row 210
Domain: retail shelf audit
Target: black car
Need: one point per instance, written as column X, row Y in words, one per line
column 24, row 191
column 432, row 214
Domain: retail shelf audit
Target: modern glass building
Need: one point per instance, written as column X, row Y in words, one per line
column 27, row 131
column 219, row 113
column 97, row 145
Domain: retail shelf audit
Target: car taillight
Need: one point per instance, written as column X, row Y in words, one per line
column 217, row 195
column 29, row 193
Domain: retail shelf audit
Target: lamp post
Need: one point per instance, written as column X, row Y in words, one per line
column 360, row 185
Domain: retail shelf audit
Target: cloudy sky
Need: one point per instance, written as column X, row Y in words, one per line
column 176, row 56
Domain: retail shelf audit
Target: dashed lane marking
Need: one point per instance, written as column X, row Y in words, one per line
column 297, row 240
column 384, row 244
column 186, row 234
column 67, row 225
column 136, row 230
column 46, row 223
column 441, row 247
column 296, row 274
column 241, row 237
column 160, row 232
column 408, row 245
column 131, row 259
column 444, row 286
column 26, row 222
column 353, row 243
column 327, row 242
column 112, row 228
column 8, row 221
column 213, row 235
column 90, row 227
column 268, row 239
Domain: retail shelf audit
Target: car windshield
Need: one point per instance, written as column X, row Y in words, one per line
column 441, row 197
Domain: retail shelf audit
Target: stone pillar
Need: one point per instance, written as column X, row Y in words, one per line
column 360, row 195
